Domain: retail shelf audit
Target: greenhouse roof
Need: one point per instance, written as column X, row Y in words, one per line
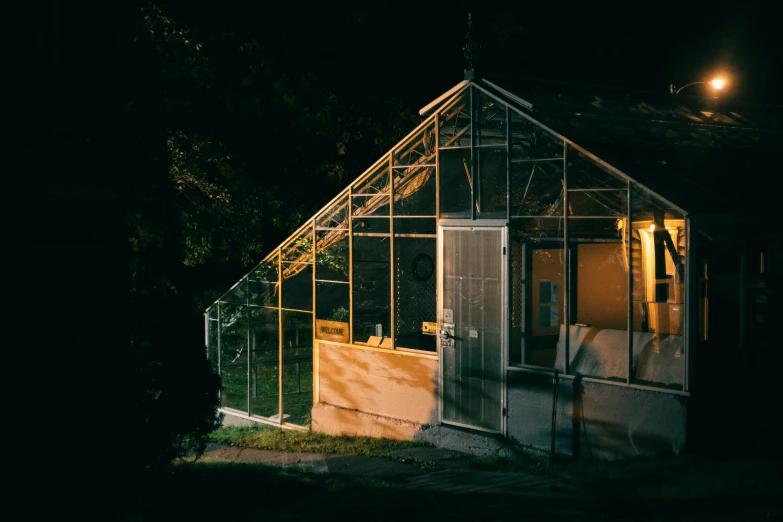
column 703, row 154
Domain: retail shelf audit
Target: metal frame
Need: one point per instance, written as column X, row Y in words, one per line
column 629, row 264
column 433, row 113
column 566, row 267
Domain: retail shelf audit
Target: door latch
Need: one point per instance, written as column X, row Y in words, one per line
column 446, row 334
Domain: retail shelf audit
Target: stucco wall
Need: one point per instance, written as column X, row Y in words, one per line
column 389, row 384
column 614, row 422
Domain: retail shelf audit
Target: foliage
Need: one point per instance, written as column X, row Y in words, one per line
column 225, row 135
column 340, row 314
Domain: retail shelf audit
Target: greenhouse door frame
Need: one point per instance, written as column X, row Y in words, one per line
column 493, row 416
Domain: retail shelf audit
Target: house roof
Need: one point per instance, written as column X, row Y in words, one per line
column 706, row 155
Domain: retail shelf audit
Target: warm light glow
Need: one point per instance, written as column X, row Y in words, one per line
column 718, row 83
column 652, row 227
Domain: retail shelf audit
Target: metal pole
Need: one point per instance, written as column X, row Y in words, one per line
column 566, row 266
column 472, row 155
column 350, row 264
column 313, row 330
column 280, row 337
column 508, row 165
column 629, row 263
column 254, row 369
column 247, row 330
column 688, row 317
column 219, row 335
column 437, row 167
column 391, row 252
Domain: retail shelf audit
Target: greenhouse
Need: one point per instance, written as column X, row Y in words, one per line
column 521, row 265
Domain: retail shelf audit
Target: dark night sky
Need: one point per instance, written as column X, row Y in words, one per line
column 77, row 57
column 414, row 51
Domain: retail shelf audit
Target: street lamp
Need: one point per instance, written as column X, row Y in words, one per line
column 717, row 83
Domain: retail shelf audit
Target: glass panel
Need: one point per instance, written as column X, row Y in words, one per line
column 583, row 173
column 212, row 343
column 598, row 299
column 336, row 216
column 595, row 228
column 264, row 362
column 454, row 124
column 492, row 181
column 297, row 286
column 370, row 225
column 491, row 121
column 376, row 181
column 332, row 305
column 455, row 183
column 415, row 292
column 530, row 142
column 262, row 285
column 658, row 268
column 264, row 294
column 537, row 188
column 238, row 294
column 300, row 248
column 297, row 367
column 298, row 390
column 233, row 356
column 598, row 203
column 370, row 206
column 414, row 191
column 601, row 311
column 538, row 229
column 371, row 290
column 266, row 271
column 418, row 150
column 331, row 256
column 537, row 284
column 415, row 226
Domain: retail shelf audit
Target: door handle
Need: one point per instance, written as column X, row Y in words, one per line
column 446, row 332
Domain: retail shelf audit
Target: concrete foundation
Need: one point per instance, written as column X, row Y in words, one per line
column 466, row 441
column 334, row 420
column 594, row 419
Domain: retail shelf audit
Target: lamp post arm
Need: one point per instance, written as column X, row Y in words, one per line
column 686, row 85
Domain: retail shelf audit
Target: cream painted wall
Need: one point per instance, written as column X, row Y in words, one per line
column 391, row 384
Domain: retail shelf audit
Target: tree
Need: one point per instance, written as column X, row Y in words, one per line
column 233, row 149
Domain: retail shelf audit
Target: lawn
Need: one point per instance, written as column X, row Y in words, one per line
column 269, row 438
column 657, row 480
column 655, row 490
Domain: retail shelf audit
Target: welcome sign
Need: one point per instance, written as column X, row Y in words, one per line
column 331, row 331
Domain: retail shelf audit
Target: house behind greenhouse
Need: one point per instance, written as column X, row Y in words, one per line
column 524, row 266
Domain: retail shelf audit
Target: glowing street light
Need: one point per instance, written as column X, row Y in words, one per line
column 717, row 83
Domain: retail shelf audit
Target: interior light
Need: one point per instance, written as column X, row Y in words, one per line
column 652, row 227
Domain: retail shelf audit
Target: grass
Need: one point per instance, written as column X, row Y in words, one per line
column 270, row 438
column 673, row 479
column 653, row 489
